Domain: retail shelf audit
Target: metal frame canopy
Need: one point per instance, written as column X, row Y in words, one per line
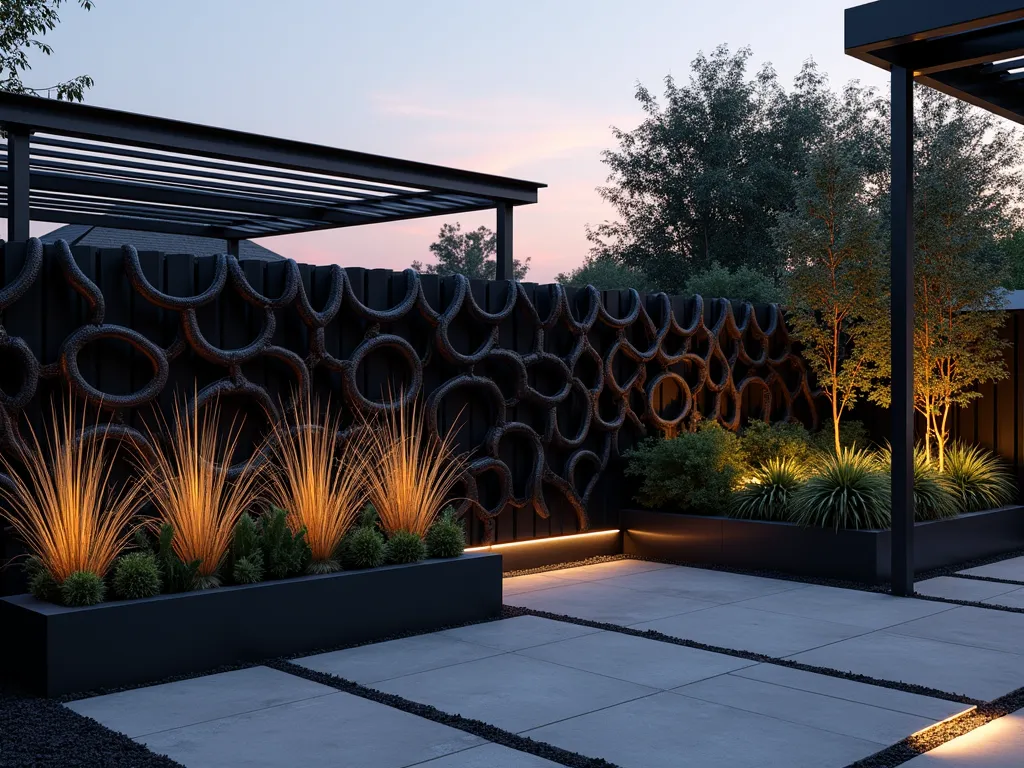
column 972, row 50
column 77, row 164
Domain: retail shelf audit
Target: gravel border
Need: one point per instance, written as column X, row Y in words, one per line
column 650, row 634
column 41, row 733
column 479, row 728
column 936, row 736
column 595, row 560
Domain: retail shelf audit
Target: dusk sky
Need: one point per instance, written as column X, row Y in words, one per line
column 527, row 89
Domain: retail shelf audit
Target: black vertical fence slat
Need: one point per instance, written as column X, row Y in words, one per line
column 179, row 280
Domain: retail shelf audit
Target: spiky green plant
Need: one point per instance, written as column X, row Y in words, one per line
column 846, row 490
column 136, row 576
column 446, row 537
column 404, row 547
column 767, row 493
column 980, row 479
column 362, row 547
column 935, row 496
column 82, row 588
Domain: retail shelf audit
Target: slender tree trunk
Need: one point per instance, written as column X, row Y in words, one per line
column 835, row 420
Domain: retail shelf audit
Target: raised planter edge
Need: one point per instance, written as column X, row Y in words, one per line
column 55, row 651
column 862, row 555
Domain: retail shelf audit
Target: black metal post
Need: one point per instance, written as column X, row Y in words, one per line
column 18, row 186
column 233, row 248
column 902, row 307
column 505, row 270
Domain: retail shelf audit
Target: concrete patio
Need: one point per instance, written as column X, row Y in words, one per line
column 634, row 701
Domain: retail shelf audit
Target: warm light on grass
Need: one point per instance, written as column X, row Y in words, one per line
column 409, row 474
column 62, row 505
column 188, row 484
column 320, row 487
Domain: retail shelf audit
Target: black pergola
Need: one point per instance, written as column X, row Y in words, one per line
column 76, row 164
column 972, row 50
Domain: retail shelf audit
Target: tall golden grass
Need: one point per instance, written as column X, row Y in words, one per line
column 63, row 506
column 319, row 486
column 409, row 474
column 187, row 481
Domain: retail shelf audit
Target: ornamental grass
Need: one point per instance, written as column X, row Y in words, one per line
column 767, row 493
column 980, row 479
column 410, row 474
column 847, row 490
column 63, row 505
column 935, row 495
column 319, row 485
column 189, row 485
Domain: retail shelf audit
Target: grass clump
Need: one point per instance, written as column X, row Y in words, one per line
column 319, row 485
column 82, row 588
column 935, row 496
column 136, row 576
column 63, row 507
column 847, row 490
column 285, row 553
column 410, row 473
column 188, row 483
column 404, row 547
column 981, row 481
column 446, row 537
column 768, row 491
column 694, row 472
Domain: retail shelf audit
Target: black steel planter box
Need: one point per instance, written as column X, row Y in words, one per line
column 856, row 555
column 55, row 650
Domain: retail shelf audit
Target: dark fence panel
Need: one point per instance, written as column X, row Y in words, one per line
column 546, row 385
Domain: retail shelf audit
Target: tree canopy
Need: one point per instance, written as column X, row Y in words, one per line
column 467, row 253
column 703, row 178
column 23, row 24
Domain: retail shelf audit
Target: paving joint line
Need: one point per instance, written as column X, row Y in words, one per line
column 479, row 728
column 649, row 634
column 993, row 579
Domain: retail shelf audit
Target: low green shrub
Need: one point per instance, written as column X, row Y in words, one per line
column 767, row 493
column 446, row 537
column 41, row 584
column 935, row 496
column 245, row 559
column 175, row 576
column 852, row 434
column 404, row 547
column 362, row 547
column 82, row 588
column 285, row 553
column 846, row 490
column 980, row 478
column 136, row 576
column 694, row 472
column 763, row 442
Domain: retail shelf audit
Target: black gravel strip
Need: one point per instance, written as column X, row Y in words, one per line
column 929, row 739
column 573, row 564
column 972, row 577
column 510, row 611
column 469, row 725
column 40, row 733
column 970, row 603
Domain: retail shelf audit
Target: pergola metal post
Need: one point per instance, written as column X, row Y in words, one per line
column 902, row 306
column 233, row 248
column 18, row 216
column 505, row 265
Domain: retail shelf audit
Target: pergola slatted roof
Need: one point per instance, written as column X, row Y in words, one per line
column 88, row 165
column 969, row 50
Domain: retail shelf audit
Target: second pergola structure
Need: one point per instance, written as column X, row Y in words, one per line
column 972, row 51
